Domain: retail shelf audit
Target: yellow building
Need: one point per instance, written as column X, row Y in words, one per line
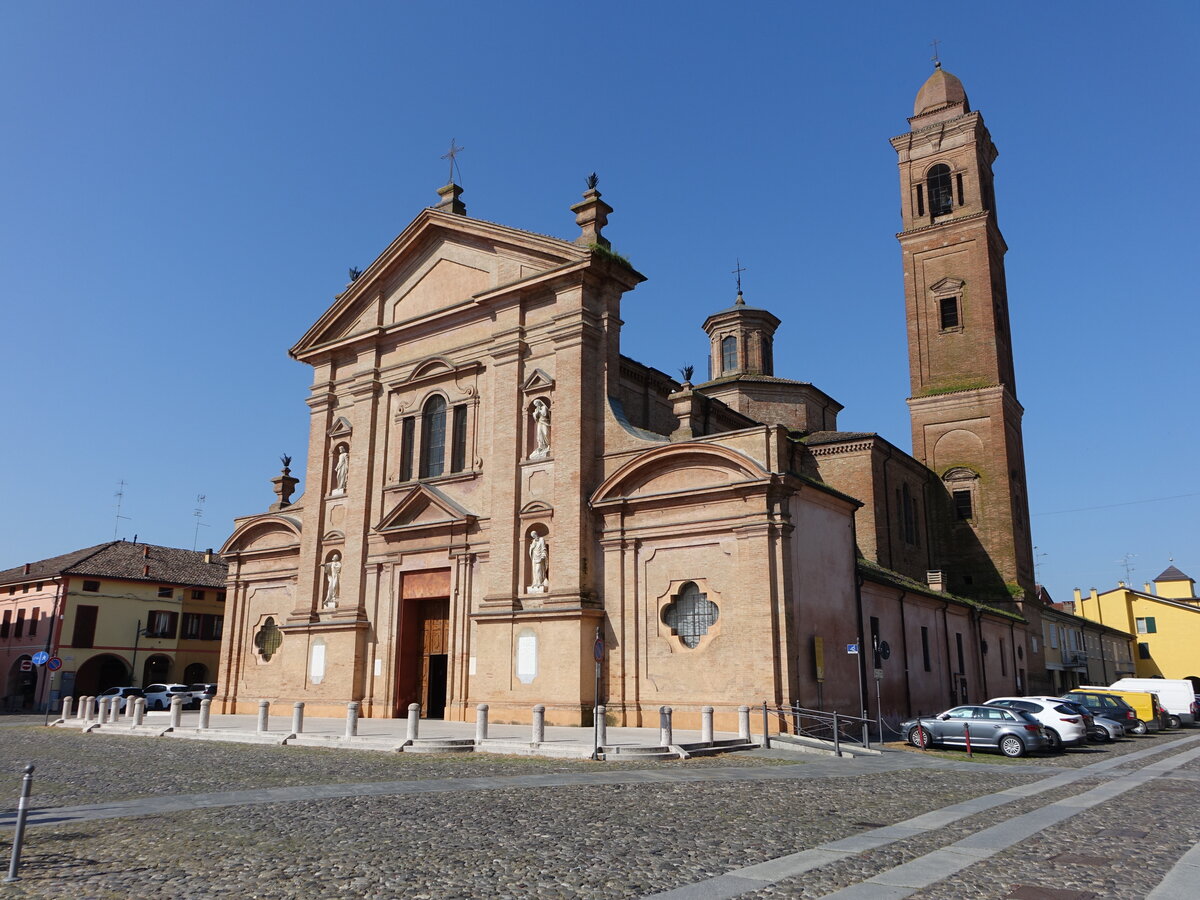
column 118, row 613
column 1163, row 619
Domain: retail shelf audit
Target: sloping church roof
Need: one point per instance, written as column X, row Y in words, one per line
column 1170, row 573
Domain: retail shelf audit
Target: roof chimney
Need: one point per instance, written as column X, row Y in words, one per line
column 145, row 552
column 145, row 571
column 208, row 555
column 936, row 579
column 27, row 568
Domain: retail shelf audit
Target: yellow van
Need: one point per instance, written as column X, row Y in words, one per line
column 1144, row 703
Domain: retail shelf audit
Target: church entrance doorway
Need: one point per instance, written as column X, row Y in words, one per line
column 424, row 643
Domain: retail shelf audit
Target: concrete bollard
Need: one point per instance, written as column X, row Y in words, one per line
column 481, row 723
column 81, row 706
column 205, row 713
column 744, row 723
column 352, row 719
column 538, row 731
column 706, row 724
column 601, row 726
column 66, row 708
column 176, row 712
column 130, row 705
column 139, row 710
column 102, row 711
column 264, row 716
column 414, row 720
column 666, row 735
column 298, row 718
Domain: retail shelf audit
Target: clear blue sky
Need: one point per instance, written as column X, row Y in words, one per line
column 185, row 186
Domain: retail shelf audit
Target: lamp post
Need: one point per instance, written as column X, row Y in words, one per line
column 139, row 633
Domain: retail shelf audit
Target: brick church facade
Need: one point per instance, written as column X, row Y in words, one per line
column 492, row 487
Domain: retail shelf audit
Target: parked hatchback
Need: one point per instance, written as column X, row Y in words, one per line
column 122, row 693
column 1117, row 707
column 1099, row 728
column 1064, row 726
column 203, row 691
column 1011, row 731
column 159, row 696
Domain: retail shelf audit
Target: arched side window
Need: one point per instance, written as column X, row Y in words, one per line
column 941, row 192
column 433, row 437
column 728, row 354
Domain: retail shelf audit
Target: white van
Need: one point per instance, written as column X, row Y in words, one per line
column 1178, row 697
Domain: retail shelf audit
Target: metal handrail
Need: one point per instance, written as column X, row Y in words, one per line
column 824, row 725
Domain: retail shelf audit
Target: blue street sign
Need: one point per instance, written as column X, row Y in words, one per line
column 54, row 664
column 40, row 657
column 852, row 648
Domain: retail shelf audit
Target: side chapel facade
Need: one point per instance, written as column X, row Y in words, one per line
column 492, row 488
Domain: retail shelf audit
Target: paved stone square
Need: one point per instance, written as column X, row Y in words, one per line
column 124, row 816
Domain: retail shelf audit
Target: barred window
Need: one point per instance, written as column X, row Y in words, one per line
column 268, row 639
column 690, row 614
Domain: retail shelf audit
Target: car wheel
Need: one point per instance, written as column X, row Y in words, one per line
column 1053, row 742
column 158, row 704
column 1012, row 746
column 915, row 736
column 1173, row 722
column 1138, row 727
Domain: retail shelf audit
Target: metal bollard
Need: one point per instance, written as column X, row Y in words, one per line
column 666, row 735
column 297, row 718
column 706, row 724
column 66, row 708
column 766, row 727
column 139, row 710
column 264, row 715
column 205, row 713
column 601, row 726
column 837, row 735
column 538, row 729
column 481, row 723
column 352, row 719
column 176, row 712
column 744, row 723
column 22, row 812
column 414, row 720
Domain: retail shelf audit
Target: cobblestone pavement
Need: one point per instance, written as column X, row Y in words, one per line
column 529, row 827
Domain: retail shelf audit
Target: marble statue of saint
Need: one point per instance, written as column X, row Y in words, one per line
column 341, row 470
column 537, row 559
column 541, row 430
column 333, row 577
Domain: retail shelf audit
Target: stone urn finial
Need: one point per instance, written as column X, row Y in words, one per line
column 285, row 485
column 591, row 215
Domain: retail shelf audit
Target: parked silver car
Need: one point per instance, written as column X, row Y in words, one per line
column 1011, row 731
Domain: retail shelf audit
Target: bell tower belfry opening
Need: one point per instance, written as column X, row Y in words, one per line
column 966, row 420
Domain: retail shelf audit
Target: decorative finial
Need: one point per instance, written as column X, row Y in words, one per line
column 592, row 180
column 451, row 155
column 738, row 273
column 686, row 372
column 354, row 272
column 937, row 61
column 286, row 460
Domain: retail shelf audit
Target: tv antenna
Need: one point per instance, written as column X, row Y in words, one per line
column 120, row 495
column 198, row 512
column 1126, row 563
column 1037, row 563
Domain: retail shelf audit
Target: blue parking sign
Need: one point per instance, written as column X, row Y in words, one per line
column 852, row 648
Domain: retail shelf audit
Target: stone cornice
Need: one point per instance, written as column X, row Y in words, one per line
column 957, row 220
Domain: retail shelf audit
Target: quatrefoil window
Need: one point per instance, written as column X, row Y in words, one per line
column 690, row 614
column 268, row 639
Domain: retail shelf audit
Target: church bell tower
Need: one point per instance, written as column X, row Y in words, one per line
column 966, row 420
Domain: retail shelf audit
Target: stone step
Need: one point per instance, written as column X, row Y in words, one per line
column 710, row 748
column 441, row 745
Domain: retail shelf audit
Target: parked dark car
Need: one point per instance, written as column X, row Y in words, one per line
column 1011, row 731
column 1110, row 705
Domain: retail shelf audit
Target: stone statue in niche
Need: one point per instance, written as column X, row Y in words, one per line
column 537, row 563
column 541, row 429
column 333, row 577
column 341, row 470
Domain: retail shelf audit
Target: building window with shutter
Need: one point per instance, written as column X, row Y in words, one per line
column 433, row 437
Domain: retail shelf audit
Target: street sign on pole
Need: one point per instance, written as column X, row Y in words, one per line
column 26, row 665
column 852, row 648
column 40, row 658
column 54, row 664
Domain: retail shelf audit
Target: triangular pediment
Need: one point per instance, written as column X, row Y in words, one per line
column 439, row 262
column 948, row 285
column 424, row 506
column 537, row 381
